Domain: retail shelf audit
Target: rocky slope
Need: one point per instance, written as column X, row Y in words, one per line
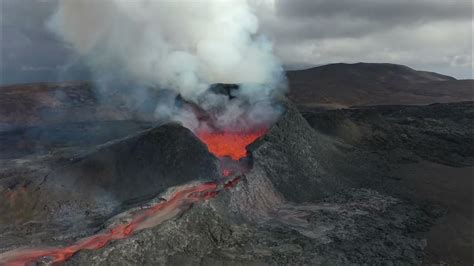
column 362, row 185
column 277, row 217
column 294, row 206
column 40, row 104
column 329, row 86
column 438, row 132
column 425, row 155
column 60, row 195
column 343, row 85
column 336, row 217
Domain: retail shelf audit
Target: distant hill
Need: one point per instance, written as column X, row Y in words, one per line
column 335, row 85
column 342, row 85
column 43, row 103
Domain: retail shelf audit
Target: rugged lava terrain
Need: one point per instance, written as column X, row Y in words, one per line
column 344, row 85
column 363, row 185
column 426, row 153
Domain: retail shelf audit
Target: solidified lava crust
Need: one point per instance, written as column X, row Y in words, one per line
column 182, row 199
column 222, row 144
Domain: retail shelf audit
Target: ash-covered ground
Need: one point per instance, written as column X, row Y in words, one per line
column 368, row 185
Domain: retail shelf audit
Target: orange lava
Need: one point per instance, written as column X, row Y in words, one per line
column 229, row 143
column 222, row 144
column 226, row 172
column 180, row 200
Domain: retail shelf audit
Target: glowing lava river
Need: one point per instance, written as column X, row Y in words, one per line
column 231, row 145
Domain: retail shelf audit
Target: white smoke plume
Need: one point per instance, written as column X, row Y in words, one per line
column 183, row 45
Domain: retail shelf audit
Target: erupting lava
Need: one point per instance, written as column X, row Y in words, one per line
column 180, row 200
column 222, row 144
column 229, row 143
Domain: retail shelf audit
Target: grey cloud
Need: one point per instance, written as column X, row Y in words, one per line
column 348, row 18
column 425, row 34
column 432, row 35
column 28, row 51
column 379, row 10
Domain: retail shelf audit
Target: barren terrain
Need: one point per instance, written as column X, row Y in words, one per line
column 85, row 181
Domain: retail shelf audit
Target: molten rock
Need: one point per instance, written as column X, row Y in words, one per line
column 286, row 209
column 80, row 193
column 228, row 143
column 259, row 221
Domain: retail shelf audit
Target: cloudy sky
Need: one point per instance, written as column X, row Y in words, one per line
column 434, row 35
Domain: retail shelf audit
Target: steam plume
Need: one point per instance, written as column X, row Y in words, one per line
column 181, row 45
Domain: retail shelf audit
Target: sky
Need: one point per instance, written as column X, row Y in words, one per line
column 432, row 35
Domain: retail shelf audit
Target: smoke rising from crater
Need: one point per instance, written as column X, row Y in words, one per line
column 180, row 45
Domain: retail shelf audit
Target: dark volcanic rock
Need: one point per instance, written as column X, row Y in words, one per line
column 439, row 132
column 43, row 103
column 346, row 85
column 359, row 227
column 426, row 154
column 140, row 166
column 295, row 159
column 296, row 205
column 224, row 89
column 263, row 219
column 85, row 191
column 17, row 142
column 305, row 165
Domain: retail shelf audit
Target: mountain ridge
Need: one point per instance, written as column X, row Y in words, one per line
column 346, row 85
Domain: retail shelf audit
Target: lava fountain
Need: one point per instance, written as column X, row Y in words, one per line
column 231, row 148
column 230, row 143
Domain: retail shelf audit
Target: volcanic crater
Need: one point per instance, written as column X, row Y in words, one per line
column 288, row 193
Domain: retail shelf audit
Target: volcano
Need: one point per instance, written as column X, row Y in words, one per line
column 79, row 177
column 318, row 187
column 176, row 175
column 280, row 192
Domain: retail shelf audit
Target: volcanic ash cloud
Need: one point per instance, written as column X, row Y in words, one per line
column 179, row 45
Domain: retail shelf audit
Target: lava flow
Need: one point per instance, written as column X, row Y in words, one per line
column 229, row 143
column 180, row 200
